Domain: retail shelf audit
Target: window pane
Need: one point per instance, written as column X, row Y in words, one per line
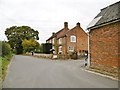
column 71, row 48
column 73, row 38
column 60, row 41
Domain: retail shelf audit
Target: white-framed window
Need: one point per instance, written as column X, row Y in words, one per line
column 50, row 41
column 60, row 40
column 60, row 48
column 53, row 40
column 53, row 47
column 73, row 38
column 71, row 48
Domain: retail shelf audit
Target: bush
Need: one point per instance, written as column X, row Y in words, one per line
column 6, row 49
column 73, row 55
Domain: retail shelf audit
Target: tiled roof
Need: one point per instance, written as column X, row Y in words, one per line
column 50, row 38
column 107, row 14
column 54, row 35
column 65, row 34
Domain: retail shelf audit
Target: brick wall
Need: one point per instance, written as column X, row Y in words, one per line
column 69, row 43
column 104, row 47
column 81, row 38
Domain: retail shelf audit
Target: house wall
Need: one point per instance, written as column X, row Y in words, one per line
column 104, row 47
column 64, row 45
column 69, row 43
column 61, row 33
column 81, row 39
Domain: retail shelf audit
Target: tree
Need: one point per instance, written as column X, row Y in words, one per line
column 16, row 35
column 30, row 45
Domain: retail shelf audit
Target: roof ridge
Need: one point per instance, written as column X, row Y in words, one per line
column 110, row 5
column 108, row 14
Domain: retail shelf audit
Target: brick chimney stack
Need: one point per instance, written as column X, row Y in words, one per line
column 53, row 33
column 78, row 24
column 65, row 24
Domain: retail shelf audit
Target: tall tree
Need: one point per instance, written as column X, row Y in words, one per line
column 16, row 35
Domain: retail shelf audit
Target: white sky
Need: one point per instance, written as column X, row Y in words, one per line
column 48, row 16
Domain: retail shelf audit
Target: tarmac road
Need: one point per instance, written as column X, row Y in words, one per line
column 31, row 72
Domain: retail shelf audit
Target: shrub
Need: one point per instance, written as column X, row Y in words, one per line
column 6, row 49
column 73, row 55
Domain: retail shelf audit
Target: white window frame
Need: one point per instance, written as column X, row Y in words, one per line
column 60, row 48
column 72, row 38
column 50, row 41
column 53, row 47
column 60, row 40
column 71, row 49
column 53, row 40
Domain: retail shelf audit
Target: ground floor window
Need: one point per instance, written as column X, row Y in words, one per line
column 71, row 49
column 60, row 49
column 53, row 47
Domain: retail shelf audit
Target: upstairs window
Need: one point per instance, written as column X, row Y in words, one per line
column 53, row 40
column 50, row 41
column 73, row 38
column 60, row 40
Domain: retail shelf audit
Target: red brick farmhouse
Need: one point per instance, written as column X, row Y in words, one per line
column 67, row 41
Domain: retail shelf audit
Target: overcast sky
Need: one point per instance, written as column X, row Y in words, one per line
column 48, row 16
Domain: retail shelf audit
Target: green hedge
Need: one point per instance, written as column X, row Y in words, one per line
column 6, row 49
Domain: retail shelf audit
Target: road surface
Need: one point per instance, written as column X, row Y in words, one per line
column 31, row 72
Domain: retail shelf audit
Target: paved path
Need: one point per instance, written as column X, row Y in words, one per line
column 30, row 72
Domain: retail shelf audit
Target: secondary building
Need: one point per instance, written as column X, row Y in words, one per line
column 104, row 32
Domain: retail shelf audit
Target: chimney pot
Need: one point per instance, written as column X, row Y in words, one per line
column 65, row 24
column 53, row 33
column 78, row 24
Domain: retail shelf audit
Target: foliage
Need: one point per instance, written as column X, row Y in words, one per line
column 0, row 68
column 56, row 46
column 6, row 49
column 5, row 57
column 16, row 35
column 0, row 48
column 45, row 48
column 4, row 61
column 41, row 48
column 30, row 45
column 73, row 55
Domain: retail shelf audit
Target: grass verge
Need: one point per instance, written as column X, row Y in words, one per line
column 4, row 61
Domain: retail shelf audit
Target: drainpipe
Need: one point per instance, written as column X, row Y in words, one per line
column 88, row 60
column 66, row 45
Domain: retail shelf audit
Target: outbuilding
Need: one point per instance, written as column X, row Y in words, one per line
column 104, row 32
